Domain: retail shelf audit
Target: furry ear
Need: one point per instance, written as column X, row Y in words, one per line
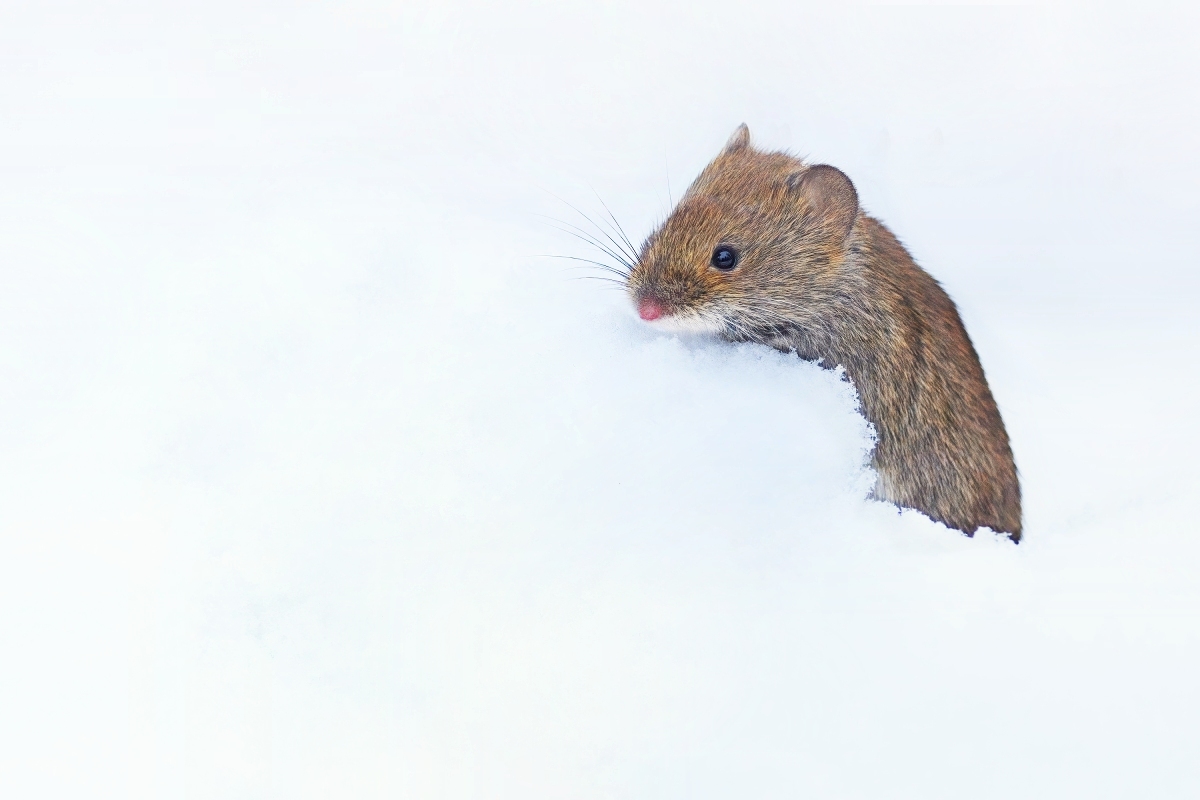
column 830, row 196
column 739, row 141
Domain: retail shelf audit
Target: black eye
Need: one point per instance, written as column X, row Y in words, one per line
column 725, row 257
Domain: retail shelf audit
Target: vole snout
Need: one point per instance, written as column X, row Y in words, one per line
column 649, row 309
column 678, row 297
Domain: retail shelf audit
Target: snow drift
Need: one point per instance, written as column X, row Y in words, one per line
column 320, row 481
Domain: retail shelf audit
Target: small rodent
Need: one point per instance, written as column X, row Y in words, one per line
column 765, row 248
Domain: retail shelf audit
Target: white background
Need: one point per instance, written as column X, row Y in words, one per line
column 316, row 480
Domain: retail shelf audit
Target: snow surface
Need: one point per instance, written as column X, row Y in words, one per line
column 318, row 481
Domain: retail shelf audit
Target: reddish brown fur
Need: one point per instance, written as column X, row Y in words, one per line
column 819, row 277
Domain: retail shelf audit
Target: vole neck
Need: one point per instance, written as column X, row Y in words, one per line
column 868, row 325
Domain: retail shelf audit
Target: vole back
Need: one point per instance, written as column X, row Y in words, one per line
column 766, row 248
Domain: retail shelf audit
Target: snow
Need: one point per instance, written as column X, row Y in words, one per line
column 319, row 480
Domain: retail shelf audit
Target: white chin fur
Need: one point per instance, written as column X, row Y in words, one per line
column 686, row 323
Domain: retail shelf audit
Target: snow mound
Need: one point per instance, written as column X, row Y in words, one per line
column 319, row 480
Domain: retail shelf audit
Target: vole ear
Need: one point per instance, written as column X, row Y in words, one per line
column 829, row 195
column 739, row 141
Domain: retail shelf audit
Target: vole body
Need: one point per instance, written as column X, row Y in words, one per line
column 812, row 273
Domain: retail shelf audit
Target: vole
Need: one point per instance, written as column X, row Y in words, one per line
column 766, row 248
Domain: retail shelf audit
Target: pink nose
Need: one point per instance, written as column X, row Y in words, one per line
column 649, row 310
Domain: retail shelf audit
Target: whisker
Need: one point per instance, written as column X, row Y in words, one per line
column 584, row 236
column 588, row 237
column 598, row 278
column 590, row 221
column 600, row 264
column 630, row 252
column 740, row 329
column 620, row 230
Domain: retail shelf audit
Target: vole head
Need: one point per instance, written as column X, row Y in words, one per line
column 755, row 247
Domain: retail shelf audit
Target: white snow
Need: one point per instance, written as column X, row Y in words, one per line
column 319, row 481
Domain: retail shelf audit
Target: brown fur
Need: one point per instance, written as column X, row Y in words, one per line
column 819, row 277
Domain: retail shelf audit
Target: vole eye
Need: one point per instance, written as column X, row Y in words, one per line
column 725, row 257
